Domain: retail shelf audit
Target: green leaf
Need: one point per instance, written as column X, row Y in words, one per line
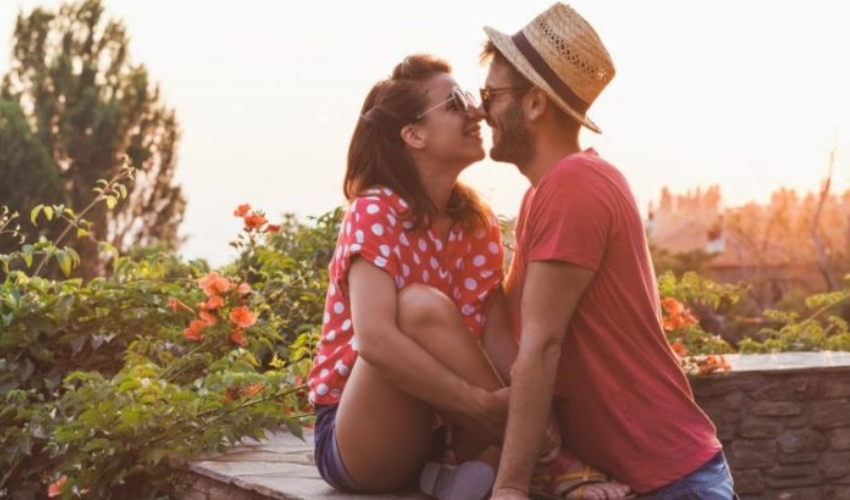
column 64, row 261
column 111, row 201
column 82, row 233
column 48, row 212
column 34, row 213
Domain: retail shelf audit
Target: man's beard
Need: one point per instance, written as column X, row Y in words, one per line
column 515, row 143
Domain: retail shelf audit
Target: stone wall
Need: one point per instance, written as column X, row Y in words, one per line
column 785, row 424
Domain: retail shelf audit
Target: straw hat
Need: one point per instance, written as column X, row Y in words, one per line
column 562, row 54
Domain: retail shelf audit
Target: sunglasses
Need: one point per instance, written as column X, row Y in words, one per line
column 487, row 94
column 458, row 100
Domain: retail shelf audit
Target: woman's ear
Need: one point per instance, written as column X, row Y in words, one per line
column 412, row 136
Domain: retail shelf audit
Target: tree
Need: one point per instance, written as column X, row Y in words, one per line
column 72, row 107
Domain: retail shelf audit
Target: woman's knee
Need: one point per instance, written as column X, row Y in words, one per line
column 422, row 306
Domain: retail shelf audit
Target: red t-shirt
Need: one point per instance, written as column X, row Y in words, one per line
column 624, row 403
column 467, row 268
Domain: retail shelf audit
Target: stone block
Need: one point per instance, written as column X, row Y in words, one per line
column 759, row 428
column 794, row 494
column 839, row 439
column 836, row 493
column 731, row 383
column 775, row 408
column 748, row 481
column 799, row 458
column 784, row 389
column 830, row 414
column 801, row 440
column 752, row 453
column 834, row 387
column 792, row 471
column 794, row 422
column 835, row 464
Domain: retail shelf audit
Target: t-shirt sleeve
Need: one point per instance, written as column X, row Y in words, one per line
column 370, row 231
column 569, row 219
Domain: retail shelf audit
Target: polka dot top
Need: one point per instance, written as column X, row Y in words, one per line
column 467, row 268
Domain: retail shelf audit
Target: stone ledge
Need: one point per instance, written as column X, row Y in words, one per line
column 280, row 467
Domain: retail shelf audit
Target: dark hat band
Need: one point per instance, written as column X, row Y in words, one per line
column 536, row 60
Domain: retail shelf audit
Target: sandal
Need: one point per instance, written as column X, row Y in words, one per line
column 558, row 482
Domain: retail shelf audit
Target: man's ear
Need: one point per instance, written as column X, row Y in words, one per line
column 537, row 103
column 412, row 135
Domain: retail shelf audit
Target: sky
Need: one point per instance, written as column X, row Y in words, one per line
column 749, row 95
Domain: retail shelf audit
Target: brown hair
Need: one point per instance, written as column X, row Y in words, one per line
column 377, row 154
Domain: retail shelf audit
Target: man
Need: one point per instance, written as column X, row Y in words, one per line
column 581, row 288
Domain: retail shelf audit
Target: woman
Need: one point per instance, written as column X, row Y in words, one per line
column 414, row 329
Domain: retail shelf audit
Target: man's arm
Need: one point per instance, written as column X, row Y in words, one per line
column 551, row 292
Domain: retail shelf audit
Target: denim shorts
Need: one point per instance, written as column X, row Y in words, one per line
column 712, row 481
column 328, row 458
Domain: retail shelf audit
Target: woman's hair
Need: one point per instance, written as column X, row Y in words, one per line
column 377, row 153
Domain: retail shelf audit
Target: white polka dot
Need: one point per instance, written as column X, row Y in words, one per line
column 479, row 260
column 422, row 245
column 322, row 389
column 324, row 373
column 486, row 273
column 377, row 229
column 327, row 317
column 407, row 225
column 470, row 284
column 425, row 275
column 321, row 359
column 380, row 262
column 403, row 239
column 387, row 191
column 405, row 270
column 339, row 307
column 493, row 247
column 385, row 250
column 372, row 209
column 439, row 245
column 467, row 309
column 399, row 282
column 456, row 293
column 358, row 235
column 452, row 236
column 331, row 335
column 355, row 248
column 353, row 343
column 479, row 318
column 443, row 273
column 460, row 236
column 458, row 263
column 332, row 290
column 348, row 228
column 416, row 258
column 391, row 219
column 342, row 369
column 356, row 217
column 403, row 203
column 346, row 325
column 434, row 263
column 397, row 251
column 480, row 234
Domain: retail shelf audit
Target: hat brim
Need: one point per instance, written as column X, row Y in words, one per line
column 508, row 48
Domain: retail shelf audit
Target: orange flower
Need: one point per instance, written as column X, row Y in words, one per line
column 244, row 289
column 208, row 318
column 194, row 332
column 231, row 394
column 273, row 228
column 252, row 390
column 213, row 284
column 242, row 210
column 238, row 337
column 242, row 317
column 214, row 302
column 55, row 488
column 254, row 221
column 679, row 349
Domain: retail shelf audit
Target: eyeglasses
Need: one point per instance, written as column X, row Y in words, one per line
column 459, row 100
column 487, row 94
